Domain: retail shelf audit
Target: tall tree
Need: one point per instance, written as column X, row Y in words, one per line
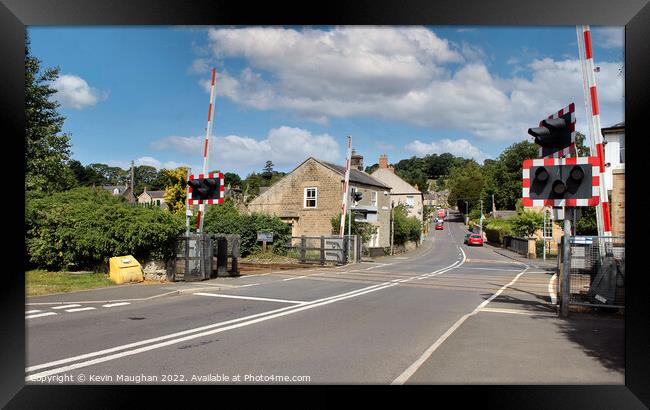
column 232, row 179
column 176, row 191
column 268, row 170
column 47, row 150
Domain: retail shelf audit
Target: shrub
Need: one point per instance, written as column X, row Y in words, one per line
column 406, row 228
column 84, row 227
column 225, row 219
column 526, row 223
column 496, row 229
column 364, row 229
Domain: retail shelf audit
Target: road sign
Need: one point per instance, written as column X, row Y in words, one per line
column 561, row 182
column 265, row 236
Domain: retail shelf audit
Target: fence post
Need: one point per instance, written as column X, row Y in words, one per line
column 566, row 266
column 346, row 249
column 303, row 246
column 322, row 250
column 234, row 266
column 222, row 255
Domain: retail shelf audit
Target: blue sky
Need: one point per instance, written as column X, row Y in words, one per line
column 286, row 93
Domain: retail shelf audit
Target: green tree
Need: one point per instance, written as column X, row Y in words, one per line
column 363, row 229
column 405, row 228
column 232, row 179
column 176, row 190
column 47, row 149
column 526, row 223
column 465, row 183
column 268, row 170
column 146, row 176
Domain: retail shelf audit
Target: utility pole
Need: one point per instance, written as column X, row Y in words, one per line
column 392, row 228
column 466, row 212
column 132, row 178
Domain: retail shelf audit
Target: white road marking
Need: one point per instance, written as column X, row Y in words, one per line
column 518, row 312
column 245, row 286
column 80, row 309
column 250, row 298
column 116, row 304
column 215, row 328
column 410, row 371
column 40, row 315
column 29, row 312
column 551, row 289
column 65, row 306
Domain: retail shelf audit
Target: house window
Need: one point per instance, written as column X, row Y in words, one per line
column 373, row 198
column 311, row 197
column 409, row 201
column 622, row 150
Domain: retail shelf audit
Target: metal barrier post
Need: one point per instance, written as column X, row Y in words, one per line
column 222, row 255
column 322, row 250
column 234, row 266
column 303, row 248
column 566, row 268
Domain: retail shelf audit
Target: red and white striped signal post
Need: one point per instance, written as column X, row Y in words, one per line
column 208, row 131
column 593, row 115
column 346, row 183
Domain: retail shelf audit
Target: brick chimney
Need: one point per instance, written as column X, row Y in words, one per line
column 356, row 161
column 383, row 161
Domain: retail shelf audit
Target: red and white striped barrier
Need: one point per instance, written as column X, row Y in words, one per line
column 595, row 182
column 571, row 149
column 344, row 205
column 193, row 201
column 208, row 131
column 588, row 71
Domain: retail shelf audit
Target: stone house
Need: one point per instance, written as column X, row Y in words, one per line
column 309, row 196
column 152, row 197
column 124, row 191
column 401, row 191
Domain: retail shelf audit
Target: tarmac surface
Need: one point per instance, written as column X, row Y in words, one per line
column 442, row 314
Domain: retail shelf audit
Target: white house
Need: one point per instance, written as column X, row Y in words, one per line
column 614, row 137
column 401, row 191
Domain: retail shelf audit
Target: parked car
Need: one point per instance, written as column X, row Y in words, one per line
column 440, row 226
column 475, row 239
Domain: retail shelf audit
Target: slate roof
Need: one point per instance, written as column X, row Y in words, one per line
column 111, row 188
column 355, row 175
column 156, row 194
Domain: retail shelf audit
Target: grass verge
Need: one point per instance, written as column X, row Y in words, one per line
column 40, row 282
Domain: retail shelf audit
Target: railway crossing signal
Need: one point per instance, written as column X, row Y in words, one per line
column 209, row 189
column 556, row 134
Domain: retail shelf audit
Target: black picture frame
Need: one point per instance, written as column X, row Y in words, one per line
column 634, row 15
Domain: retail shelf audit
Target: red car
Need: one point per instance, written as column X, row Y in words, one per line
column 474, row 239
column 439, row 226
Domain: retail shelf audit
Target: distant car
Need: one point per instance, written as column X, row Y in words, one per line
column 440, row 226
column 474, row 239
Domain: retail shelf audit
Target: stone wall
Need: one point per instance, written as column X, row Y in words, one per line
column 618, row 202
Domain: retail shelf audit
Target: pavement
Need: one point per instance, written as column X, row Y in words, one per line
column 442, row 314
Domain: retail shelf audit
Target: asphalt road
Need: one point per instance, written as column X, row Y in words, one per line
column 395, row 320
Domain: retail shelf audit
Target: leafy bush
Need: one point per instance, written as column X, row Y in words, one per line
column 84, row 227
column 364, row 229
column 225, row 219
column 496, row 229
column 406, row 228
column 526, row 223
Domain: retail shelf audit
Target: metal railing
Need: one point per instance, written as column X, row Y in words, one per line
column 516, row 244
column 596, row 272
column 202, row 256
column 324, row 249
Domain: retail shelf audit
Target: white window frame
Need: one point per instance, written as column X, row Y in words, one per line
column 412, row 200
column 373, row 198
column 315, row 198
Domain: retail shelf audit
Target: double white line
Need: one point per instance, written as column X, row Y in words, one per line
column 89, row 359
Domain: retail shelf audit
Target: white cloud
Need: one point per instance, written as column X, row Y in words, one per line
column 460, row 147
column 285, row 146
column 406, row 74
column 609, row 37
column 74, row 92
column 147, row 160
